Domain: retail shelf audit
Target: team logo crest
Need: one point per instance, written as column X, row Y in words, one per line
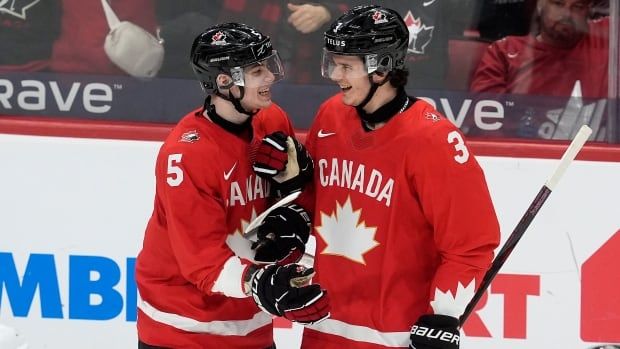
column 379, row 17
column 419, row 34
column 431, row 116
column 17, row 8
column 218, row 38
column 190, row 136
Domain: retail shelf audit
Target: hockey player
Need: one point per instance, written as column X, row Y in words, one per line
column 404, row 222
column 198, row 285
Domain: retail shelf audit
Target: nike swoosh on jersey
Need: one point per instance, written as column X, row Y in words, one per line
column 322, row 134
column 426, row 3
column 227, row 174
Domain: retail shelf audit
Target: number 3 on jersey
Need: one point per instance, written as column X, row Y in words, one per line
column 175, row 174
column 462, row 153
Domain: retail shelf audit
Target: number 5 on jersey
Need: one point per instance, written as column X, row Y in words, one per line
column 462, row 153
column 175, row 174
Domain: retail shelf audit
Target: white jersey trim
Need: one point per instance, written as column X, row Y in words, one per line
column 221, row 328
column 229, row 282
column 362, row 333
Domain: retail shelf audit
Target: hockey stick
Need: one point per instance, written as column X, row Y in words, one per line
column 569, row 155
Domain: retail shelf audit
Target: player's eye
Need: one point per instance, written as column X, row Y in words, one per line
column 256, row 71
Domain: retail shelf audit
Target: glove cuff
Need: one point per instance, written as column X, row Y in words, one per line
column 435, row 331
column 262, row 294
column 248, row 275
column 438, row 321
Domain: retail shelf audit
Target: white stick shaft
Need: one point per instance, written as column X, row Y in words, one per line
column 569, row 155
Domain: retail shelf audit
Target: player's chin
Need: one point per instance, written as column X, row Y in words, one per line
column 263, row 103
column 348, row 99
column 566, row 31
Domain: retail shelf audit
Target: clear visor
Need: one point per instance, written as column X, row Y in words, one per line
column 261, row 73
column 337, row 66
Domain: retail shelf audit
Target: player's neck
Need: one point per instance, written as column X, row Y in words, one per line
column 377, row 119
column 384, row 94
column 226, row 110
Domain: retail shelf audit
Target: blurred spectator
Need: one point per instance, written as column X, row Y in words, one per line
column 500, row 18
column 28, row 30
column 180, row 22
column 84, row 29
column 566, row 49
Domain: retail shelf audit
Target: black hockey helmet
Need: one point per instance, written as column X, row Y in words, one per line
column 377, row 34
column 228, row 48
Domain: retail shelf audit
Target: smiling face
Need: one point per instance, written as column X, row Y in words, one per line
column 349, row 72
column 258, row 80
column 563, row 22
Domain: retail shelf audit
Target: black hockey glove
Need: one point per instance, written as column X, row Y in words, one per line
column 284, row 161
column 286, row 291
column 282, row 235
column 435, row 332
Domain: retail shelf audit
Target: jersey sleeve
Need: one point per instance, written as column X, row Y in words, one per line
column 196, row 220
column 456, row 201
column 491, row 74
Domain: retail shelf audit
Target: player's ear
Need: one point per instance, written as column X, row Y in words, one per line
column 379, row 77
column 224, row 81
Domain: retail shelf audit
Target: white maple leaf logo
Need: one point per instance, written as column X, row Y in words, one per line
column 453, row 305
column 240, row 245
column 345, row 235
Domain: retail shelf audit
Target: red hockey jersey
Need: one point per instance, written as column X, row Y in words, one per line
column 189, row 272
column 523, row 65
column 404, row 224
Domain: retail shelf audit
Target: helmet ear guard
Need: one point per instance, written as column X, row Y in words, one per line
column 385, row 65
column 381, row 65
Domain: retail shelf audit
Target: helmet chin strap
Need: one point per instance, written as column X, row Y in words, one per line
column 227, row 125
column 236, row 102
column 373, row 88
column 371, row 93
